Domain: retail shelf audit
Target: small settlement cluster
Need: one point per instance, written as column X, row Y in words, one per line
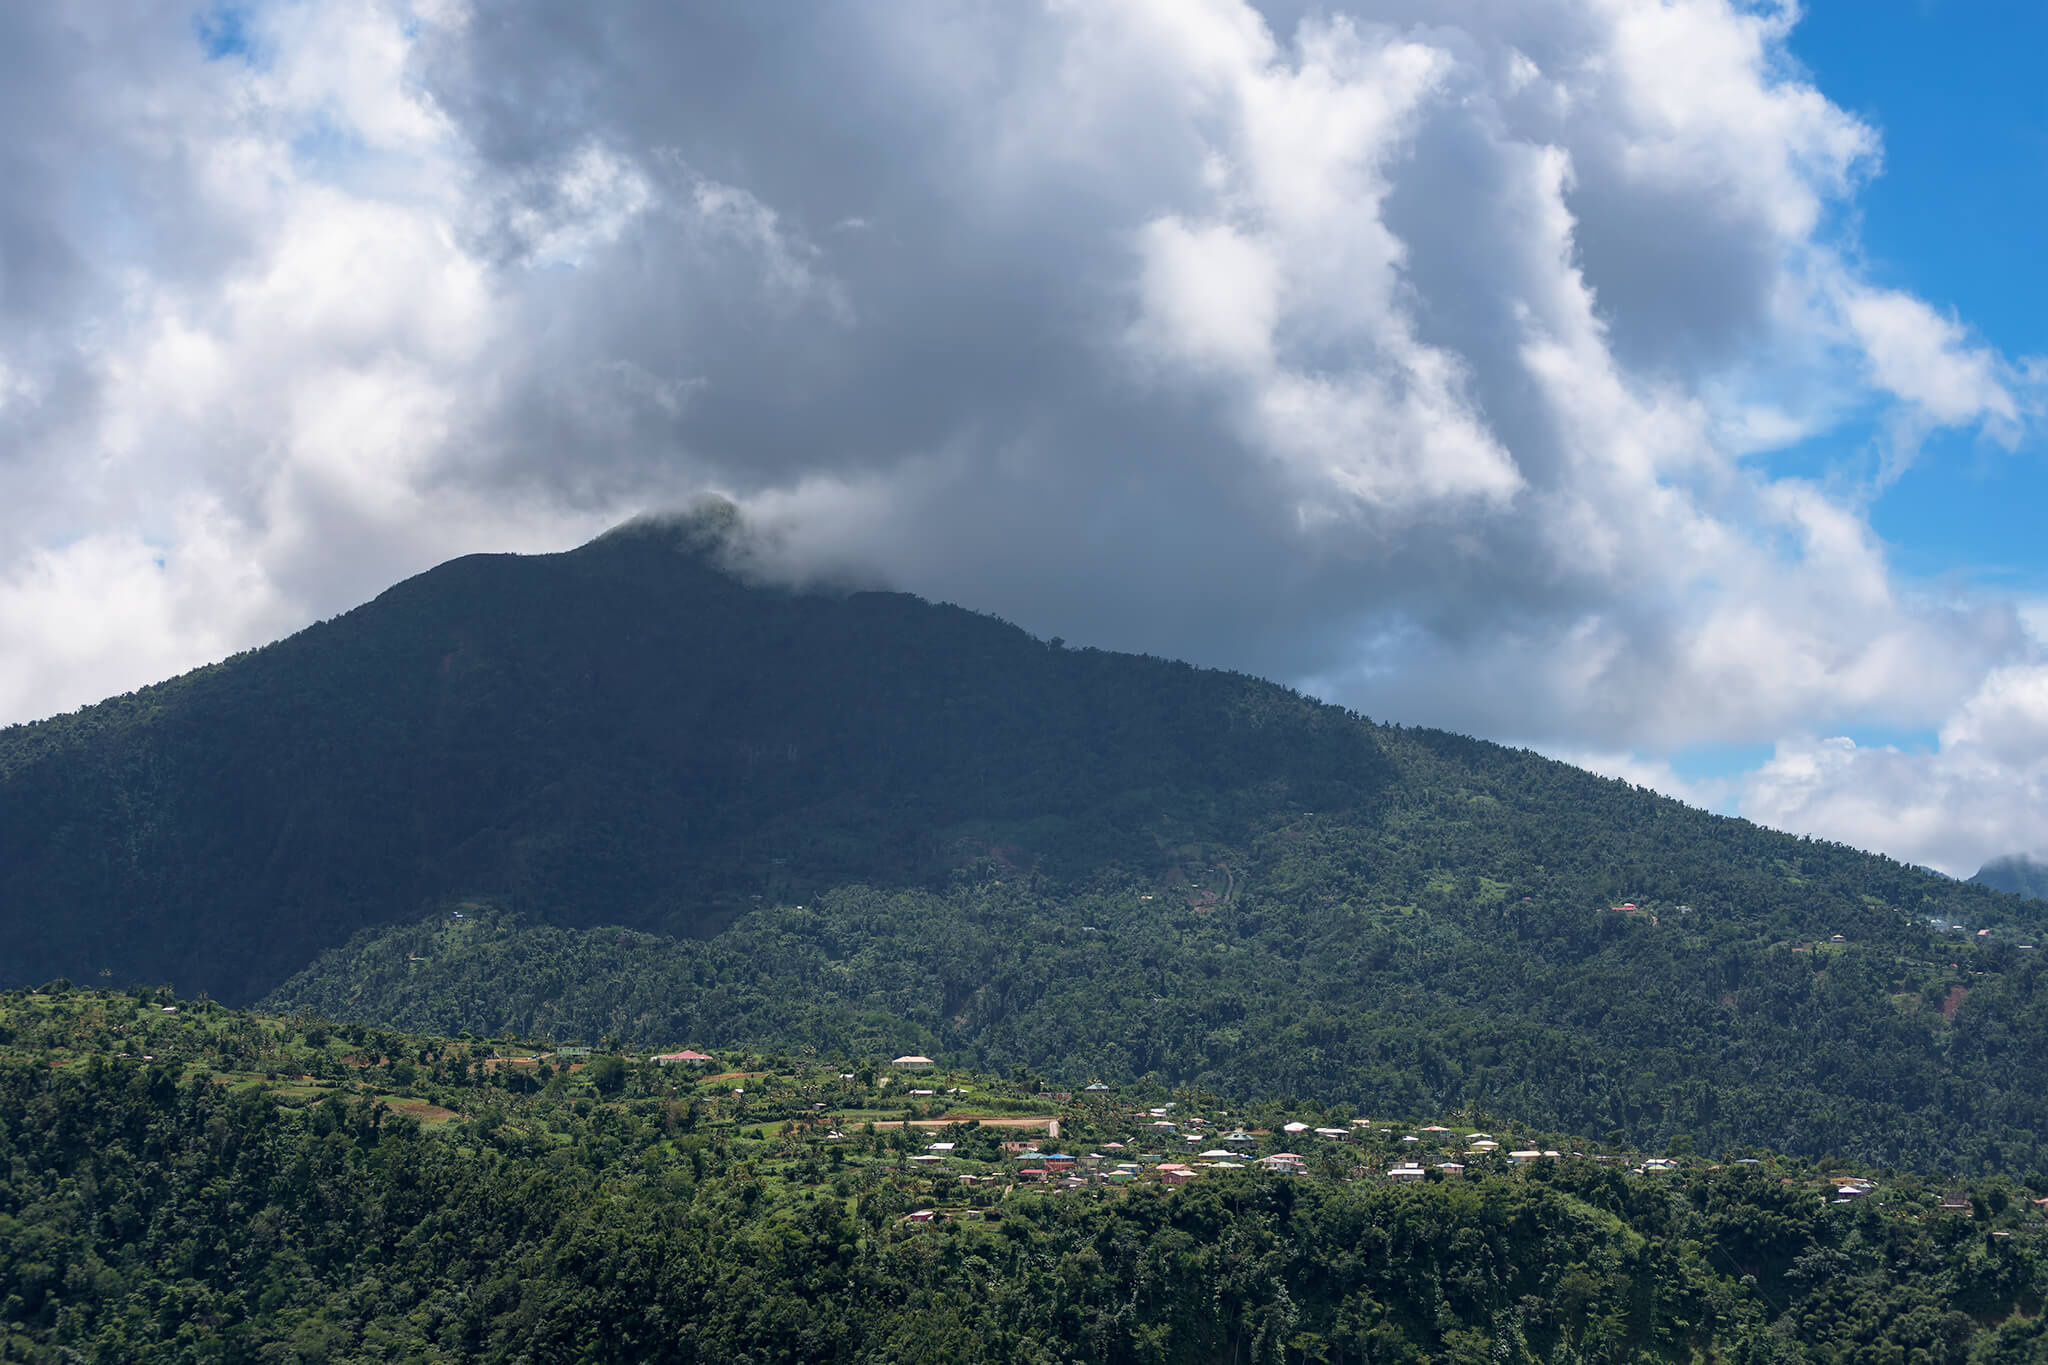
column 1164, row 1143
column 1237, row 1148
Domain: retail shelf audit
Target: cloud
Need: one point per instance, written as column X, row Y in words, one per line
column 1981, row 792
column 1416, row 350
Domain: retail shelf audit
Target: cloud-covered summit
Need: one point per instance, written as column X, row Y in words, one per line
column 1434, row 355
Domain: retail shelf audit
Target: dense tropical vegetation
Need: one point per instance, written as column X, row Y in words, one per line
column 181, row 1182
column 527, row 818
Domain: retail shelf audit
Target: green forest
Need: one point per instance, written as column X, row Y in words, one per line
column 184, row 1182
column 383, row 925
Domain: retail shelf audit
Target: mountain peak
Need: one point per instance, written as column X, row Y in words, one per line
column 2017, row 873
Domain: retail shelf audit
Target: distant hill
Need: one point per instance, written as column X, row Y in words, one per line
column 2020, row 875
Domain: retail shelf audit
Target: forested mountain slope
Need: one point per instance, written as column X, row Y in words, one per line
column 619, row 733
column 888, row 819
column 1705, row 1030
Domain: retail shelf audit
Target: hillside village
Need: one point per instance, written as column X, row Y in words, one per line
column 940, row 1141
column 882, row 1170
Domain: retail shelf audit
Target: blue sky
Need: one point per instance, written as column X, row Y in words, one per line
column 1956, row 216
column 1956, row 88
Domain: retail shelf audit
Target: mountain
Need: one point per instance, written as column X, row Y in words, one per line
column 671, row 804
column 623, row 733
column 2020, row 875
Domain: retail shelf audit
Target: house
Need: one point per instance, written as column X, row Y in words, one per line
column 1289, row 1163
column 912, row 1063
column 1216, row 1153
column 1954, row 1205
column 946, row 1147
column 1032, row 1173
column 927, row 1158
column 1058, row 1161
column 1176, row 1175
column 1527, row 1154
column 1296, row 1127
column 1406, row 1171
column 921, row 1216
column 1333, row 1134
column 1451, row 1167
column 1238, row 1138
column 683, row 1058
column 1658, row 1165
column 1097, row 1086
column 1435, row 1128
column 924, row 1092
